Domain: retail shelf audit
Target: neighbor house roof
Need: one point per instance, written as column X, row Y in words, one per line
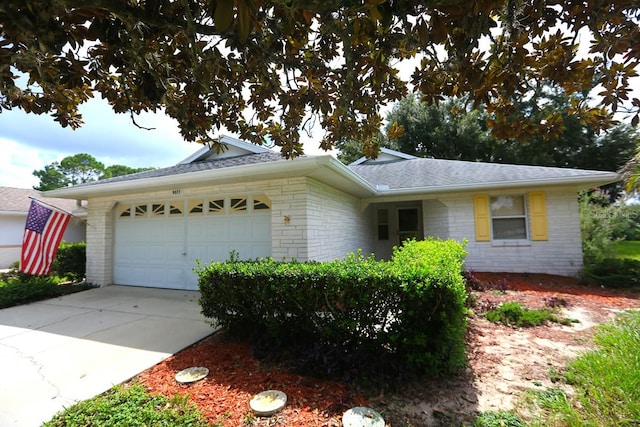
column 393, row 174
column 17, row 200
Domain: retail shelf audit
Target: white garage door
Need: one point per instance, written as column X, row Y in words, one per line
column 157, row 243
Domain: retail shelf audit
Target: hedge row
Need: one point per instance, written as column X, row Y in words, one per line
column 404, row 315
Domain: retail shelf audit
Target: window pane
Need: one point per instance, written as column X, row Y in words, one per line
column 141, row 210
column 383, row 232
column 216, row 206
column 509, row 228
column 239, row 204
column 383, row 216
column 261, row 203
column 196, row 207
column 507, row 206
column 157, row 209
column 175, row 209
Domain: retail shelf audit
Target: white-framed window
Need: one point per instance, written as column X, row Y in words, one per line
column 382, row 216
column 508, row 217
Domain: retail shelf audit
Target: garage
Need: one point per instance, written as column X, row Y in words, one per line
column 157, row 242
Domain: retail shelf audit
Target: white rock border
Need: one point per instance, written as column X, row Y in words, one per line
column 361, row 416
column 193, row 374
column 268, row 402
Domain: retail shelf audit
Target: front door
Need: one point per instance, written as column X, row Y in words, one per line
column 408, row 224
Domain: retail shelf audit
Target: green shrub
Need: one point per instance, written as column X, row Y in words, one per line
column 596, row 227
column 514, row 314
column 404, row 315
column 617, row 272
column 15, row 292
column 21, row 290
column 70, row 261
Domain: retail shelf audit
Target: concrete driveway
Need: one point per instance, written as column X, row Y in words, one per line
column 59, row 351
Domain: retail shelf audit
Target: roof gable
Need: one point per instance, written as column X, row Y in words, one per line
column 385, row 155
column 233, row 147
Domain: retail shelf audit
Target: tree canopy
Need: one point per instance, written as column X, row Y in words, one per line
column 269, row 69
column 78, row 169
column 453, row 131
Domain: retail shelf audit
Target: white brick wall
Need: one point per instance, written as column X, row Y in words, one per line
column 336, row 224
column 561, row 254
column 435, row 216
column 309, row 220
column 312, row 221
column 100, row 242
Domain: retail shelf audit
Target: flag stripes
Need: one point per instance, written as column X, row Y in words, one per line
column 42, row 235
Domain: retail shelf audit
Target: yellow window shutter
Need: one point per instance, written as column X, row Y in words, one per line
column 538, row 216
column 482, row 217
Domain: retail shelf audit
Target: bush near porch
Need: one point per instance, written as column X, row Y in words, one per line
column 353, row 318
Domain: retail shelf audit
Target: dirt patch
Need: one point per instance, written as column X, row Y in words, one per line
column 502, row 363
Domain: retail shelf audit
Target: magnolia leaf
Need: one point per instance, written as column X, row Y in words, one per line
column 223, row 16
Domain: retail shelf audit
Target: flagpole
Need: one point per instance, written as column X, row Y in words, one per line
column 58, row 209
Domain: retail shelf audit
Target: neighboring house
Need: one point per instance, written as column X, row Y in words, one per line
column 14, row 206
column 149, row 228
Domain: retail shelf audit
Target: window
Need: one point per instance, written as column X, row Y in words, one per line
column 175, row 208
column 508, row 217
column 157, row 209
column 141, row 210
column 383, row 224
column 125, row 211
column 238, row 205
column 260, row 203
column 196, row 207
column 216, row 206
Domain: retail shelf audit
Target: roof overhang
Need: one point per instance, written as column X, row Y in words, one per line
column 325, row 169
column 580, row 182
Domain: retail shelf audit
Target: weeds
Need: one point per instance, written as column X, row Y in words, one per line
column 514, row 314
column 129, row 406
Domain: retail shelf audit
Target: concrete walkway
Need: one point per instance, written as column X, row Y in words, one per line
column 59, row 351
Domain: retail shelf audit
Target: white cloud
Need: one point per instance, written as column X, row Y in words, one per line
column 17, row 164
column 29, row 142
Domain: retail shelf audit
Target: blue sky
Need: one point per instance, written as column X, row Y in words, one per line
column 29, row 141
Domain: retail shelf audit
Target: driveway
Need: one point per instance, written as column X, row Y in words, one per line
column 59, row 351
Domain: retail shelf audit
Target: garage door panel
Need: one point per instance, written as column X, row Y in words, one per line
column 161, row 252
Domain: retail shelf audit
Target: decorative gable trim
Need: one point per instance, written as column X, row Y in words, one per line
column 385, row 155
column 234, row 147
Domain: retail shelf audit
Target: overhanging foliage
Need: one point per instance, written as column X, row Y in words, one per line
column 265, row 69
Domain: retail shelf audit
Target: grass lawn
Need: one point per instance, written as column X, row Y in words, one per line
column 605, row 379
column 629, row 249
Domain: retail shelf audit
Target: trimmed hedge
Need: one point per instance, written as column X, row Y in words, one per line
column 402, row 316
column 70, row 261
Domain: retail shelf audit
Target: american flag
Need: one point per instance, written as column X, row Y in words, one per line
column 42, row 235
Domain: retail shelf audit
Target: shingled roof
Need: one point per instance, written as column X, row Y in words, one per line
column 17, row 200
column 197, row 166
column 394, row 173
column 432, row 173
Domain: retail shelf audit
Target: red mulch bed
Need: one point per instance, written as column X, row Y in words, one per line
column 235, row 376
column 550, row 286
